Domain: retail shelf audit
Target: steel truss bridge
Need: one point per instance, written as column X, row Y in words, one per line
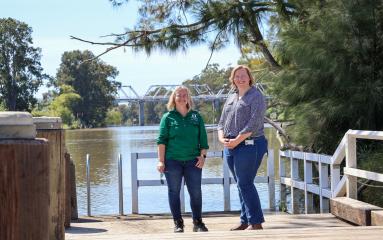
column 161, row 93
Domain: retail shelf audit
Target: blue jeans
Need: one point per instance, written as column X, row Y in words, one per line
column 244, row 161
column 174, row 171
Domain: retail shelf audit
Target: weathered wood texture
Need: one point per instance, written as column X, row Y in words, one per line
column 24, row 189
column 73, row 193
column 377, row 218
column 352, row 210
column 70, row 191
column 57, row 181
column 283, row 226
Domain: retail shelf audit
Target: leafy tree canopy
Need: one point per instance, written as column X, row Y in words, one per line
column 21, row 73
column 332, row 78
column 93, row 81
column 179, row 24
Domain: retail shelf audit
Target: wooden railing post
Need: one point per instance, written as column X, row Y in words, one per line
column 282, row 174
column 351, row 184
column 308, row 178
column 294, row 171
column 226, row 187
column 271, row 177
column 133, row 169
column 323, row 183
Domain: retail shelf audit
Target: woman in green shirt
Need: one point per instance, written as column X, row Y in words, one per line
column 182, row 145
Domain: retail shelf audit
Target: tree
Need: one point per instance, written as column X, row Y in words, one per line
column 214, row 77
column 21, row 73
column 332, row 78
column 64, row 103
column 93, row 81
column 179, row 24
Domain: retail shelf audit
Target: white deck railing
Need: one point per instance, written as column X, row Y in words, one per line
column 225, row 181
column 329, row 185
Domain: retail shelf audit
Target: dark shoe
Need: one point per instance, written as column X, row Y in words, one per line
column 241, row 226
column 178, row 226
column 199, row 226
column 254, row 227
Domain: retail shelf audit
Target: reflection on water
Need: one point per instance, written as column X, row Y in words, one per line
column 104, row 145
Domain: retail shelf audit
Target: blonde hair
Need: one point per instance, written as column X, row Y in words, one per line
column 172, row 99
column 238, row 68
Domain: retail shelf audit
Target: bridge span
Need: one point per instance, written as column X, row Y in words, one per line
column 161, row 93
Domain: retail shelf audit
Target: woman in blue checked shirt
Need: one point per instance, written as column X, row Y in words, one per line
column 240, row 129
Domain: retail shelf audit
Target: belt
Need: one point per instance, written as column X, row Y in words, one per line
column 249, row 138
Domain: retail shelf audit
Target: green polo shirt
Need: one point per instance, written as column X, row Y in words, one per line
column 184, row 137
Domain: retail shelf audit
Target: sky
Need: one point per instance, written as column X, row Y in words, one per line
column 54, row 21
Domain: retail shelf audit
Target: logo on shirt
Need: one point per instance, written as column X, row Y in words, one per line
column 194, row 118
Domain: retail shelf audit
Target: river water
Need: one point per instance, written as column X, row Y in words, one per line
column 105, row 144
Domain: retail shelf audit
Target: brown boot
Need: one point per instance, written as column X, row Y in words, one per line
column 241, row 226
column 254, row 227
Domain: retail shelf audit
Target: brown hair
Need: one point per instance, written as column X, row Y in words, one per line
column 172, row 99
column 235, row 70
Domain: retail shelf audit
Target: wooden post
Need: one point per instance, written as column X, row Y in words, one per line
column 271, row 177
column 282, row 173
column 294, row 171
column 308, row 179
column 134, row 187
column 351, row 185
column 323, row 184
column 68, row 191
column 73, row 192
column 50, row 128
column 24, row 179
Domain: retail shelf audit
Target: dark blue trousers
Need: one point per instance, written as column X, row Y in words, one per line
column 174, row 171
column 244, row 161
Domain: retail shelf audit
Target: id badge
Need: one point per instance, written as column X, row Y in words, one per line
column 249, row 142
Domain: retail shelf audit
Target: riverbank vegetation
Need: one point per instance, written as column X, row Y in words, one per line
column 321, row 61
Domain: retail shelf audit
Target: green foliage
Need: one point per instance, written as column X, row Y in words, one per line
column 63, row 105
column 113, row 118
column 129, row 114
column 177, row 25
column 332, row 77
column 214, row 77
column 370, row 158
column 20, row 70
column 93, row 81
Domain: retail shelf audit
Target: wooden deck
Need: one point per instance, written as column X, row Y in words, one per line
column 277, row 226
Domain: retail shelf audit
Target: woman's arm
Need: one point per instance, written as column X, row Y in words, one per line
column 161, row 158
column 161, row 143
column 232, row 143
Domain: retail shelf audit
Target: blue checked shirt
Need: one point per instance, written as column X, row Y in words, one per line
column 243, row 115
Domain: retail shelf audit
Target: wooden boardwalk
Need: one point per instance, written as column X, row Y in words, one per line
column 277, row 226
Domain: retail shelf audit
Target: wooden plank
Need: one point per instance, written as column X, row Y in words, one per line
column 313, row 188
column 24, row 189
column 364, row 174
column 340, row 152
column 279, row 226
column 377, row 135
column 57, row 178
column 377, row 218
column 352, row 210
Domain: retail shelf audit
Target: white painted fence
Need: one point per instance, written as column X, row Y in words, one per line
column 269, row 178
column 329, row 185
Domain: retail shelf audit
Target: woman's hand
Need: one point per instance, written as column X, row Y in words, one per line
column 222, row 139
column 231, row 143
column 161, row 167
column 200, row 162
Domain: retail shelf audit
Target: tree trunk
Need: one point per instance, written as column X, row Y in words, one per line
column 258, row 39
